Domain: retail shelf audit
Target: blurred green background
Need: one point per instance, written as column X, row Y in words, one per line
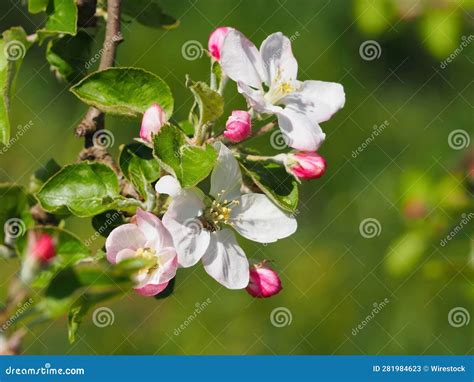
column 409, row 178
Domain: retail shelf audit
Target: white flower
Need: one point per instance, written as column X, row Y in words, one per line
column 267, row 78
column 198, row 225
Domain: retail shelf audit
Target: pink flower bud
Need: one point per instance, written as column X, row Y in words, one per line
column 42, row 248
column 238, row 126
column 306, row 165
column 264, row 281
column 216, row 39
column 153, row 119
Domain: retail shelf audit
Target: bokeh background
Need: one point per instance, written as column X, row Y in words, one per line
column 414, row 180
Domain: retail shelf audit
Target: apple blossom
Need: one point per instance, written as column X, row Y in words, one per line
column 238, row 126
column 299, row 106
column 153, row 119
column 216, row 40
column 148, row 238
column 264, row 281
column 305, row 165
column 199, row 226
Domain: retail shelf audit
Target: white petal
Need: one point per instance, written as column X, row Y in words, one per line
column 256, row 99
column 168, row 185
column 257, row 218
column 167, row 266
column 189, row 238
column 225, row 261
column 278, row 59
column 156, row 234
column 299, row 131
column 319, row 99
column 226, row 178
column 126, row 236
column 241, row 60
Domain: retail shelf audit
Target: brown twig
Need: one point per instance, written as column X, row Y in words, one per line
column 94, row 118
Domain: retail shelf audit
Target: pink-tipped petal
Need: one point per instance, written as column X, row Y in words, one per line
column 151, row 289
column 127, row 236
column 153, row 119
column 216, row 39
column 43, row 248
column 306, row 165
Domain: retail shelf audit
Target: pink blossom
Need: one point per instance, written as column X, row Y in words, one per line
column 153, row 119
column 147, row 238
column 216, row 39
column 264, row 281
column 306, row 165
column 41, row 247
column 238, row 126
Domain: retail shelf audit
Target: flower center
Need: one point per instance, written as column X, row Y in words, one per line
column 219, row 212
column 278, row 90
column 148, row 254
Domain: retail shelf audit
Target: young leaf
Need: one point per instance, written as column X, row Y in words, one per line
column 37, row 6
column 84, row 189
column 124, row 91
column 13, row 48
column 149, row 13
column 139, row 166
column 68, row 55
column 190, row 164
column 209, row 102
column 275, row 182
column 62, row 18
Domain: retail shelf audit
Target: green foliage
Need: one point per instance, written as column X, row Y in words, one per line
column 84, row 189
column 209, row 102
column 37, row 6
column 14, row 204
column 13, row 47
column 149, row 13
column 275, row 182
column 124, row 91
column 441, row 32
column 67, row 55
column 139, row 166
column 190, row 164
column 62, row 18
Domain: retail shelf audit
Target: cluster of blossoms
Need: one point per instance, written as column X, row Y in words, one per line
column 201, row 227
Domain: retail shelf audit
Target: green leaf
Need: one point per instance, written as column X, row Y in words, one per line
column 84, row 189
column 62, row 18
column 275, row 182
column 209, row 102
column 139, row 166
column 149, row 13
column 187, row 127
column 68, row 55
column 190, row 164
column 14, row 211
column 13, row 48
column 43, row 174
column 37, row 6
column 124, row 91
column 105, row 222
column 69, row 250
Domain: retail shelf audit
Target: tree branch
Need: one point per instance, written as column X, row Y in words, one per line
column 94, row 119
